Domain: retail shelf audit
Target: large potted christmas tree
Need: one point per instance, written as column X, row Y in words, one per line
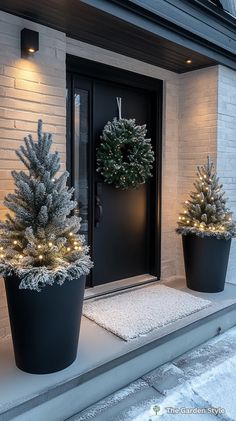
column 206, row 227
column 43, row 260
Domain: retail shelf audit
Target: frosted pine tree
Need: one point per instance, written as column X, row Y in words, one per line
column 40, row 240
column 206, row 213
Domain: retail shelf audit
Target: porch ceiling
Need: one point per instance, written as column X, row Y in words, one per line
column 88, row 24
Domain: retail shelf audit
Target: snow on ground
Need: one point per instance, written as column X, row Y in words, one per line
column 215, row 388
column 112, row 400
column 218, row 386
column 174, row 400
column 202, row 380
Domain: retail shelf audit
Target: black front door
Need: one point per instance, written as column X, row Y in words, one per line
column 119, row 225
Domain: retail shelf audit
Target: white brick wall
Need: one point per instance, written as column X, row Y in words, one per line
column 226, row 147
column 192, row 119
column 197, row 130
column 29, row 89
column 35, row 88
column 207, row 106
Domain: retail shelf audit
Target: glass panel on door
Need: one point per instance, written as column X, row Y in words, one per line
column 81, row 121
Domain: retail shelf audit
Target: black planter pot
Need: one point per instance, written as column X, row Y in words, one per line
column 206, row 261
column 45, row 325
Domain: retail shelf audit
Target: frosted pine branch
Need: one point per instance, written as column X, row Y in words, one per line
column 40, row 240
column 205, row 212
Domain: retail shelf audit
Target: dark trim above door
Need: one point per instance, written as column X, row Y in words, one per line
column 90, row 68
column 86, row 69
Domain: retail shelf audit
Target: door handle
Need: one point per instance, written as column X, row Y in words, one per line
column 98, row 211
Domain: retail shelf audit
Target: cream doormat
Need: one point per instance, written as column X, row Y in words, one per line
column 135, row 313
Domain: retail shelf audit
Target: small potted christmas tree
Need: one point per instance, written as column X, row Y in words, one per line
column 44, row 261
column 207, row 228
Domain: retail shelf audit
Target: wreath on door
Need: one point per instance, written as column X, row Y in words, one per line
column 125, row 155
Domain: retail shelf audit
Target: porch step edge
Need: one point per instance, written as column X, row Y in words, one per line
column 61, row 402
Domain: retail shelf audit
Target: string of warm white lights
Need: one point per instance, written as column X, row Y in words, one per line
column 76, row 245
column 206, row 213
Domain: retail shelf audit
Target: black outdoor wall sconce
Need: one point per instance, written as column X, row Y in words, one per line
column 29, row 42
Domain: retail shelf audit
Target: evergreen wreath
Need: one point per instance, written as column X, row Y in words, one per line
column 125, row 156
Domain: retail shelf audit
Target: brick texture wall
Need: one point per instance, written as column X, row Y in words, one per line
column 198, row 117
column 226, row 147
column 29, row 89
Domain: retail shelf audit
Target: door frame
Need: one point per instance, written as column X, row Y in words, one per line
column 75, row 67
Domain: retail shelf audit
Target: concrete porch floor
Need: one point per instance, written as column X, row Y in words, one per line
column 106, row 363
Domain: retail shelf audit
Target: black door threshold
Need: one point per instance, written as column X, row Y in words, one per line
column 119, row 285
